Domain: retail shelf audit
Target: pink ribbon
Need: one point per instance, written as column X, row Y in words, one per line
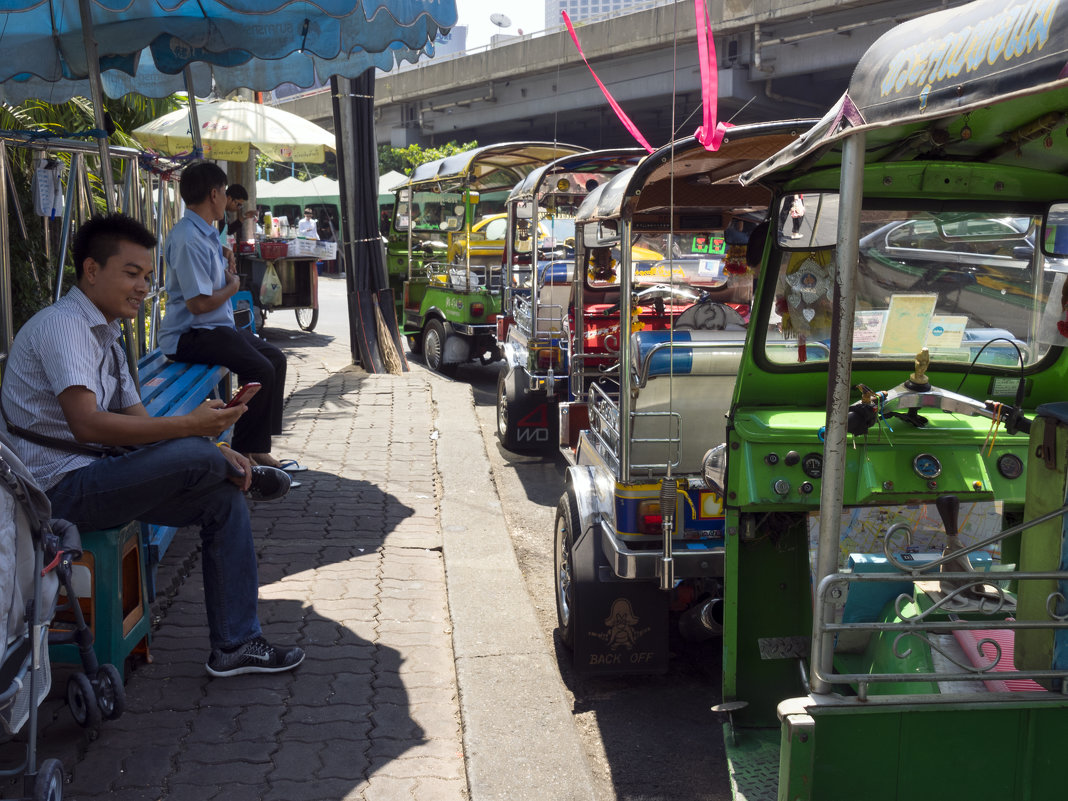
column 623, row 118
column 710, row 134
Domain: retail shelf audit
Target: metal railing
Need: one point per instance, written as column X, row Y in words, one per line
column 967, row 601
column 603, row 413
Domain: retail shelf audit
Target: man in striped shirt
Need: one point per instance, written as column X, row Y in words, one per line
column 68, row 390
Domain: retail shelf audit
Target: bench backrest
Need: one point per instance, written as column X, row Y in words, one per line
column 175, row 388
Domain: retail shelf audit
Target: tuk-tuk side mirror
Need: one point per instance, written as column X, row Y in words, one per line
column 1055, row 231
column 601, row 234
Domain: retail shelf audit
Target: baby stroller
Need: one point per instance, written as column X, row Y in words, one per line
column 35, row 560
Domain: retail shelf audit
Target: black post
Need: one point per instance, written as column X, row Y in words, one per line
column 371, row 308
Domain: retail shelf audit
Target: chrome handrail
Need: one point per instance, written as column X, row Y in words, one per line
column 995, row 605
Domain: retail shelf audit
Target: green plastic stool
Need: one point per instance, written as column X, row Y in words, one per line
column 110, row 583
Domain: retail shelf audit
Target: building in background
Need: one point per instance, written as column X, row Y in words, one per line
column 589, row 9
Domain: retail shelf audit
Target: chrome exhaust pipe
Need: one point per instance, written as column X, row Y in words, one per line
column 702, row 621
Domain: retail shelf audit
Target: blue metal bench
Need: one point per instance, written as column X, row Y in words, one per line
column 170, row 389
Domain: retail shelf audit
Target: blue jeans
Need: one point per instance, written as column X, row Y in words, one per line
column 178, row 482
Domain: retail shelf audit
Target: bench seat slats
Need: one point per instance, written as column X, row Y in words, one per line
column 171, row 389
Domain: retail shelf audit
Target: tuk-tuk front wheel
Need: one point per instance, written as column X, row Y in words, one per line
column 434, row 338
column 566, row 529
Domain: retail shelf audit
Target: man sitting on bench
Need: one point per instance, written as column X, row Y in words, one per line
column 80, row 427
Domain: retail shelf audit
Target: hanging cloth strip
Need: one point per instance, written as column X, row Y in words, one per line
column 630, row 126
column 710, row 134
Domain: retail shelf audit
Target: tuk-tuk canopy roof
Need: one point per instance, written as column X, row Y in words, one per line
column 492, row 166
column 601, row 162
column 927, row 87
column 680, row 175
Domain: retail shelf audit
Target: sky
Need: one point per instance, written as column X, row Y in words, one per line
column 528, row 15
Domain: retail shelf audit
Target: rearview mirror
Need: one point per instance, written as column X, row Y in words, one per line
column 807, row 221
column 1055, row 231
column 524, row 210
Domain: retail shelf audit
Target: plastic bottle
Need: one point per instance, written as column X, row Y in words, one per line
column 268, row 223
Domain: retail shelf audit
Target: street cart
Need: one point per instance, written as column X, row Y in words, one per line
column 297, row 280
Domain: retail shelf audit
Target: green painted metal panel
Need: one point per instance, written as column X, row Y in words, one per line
column 1040, row 546
column 772, row 573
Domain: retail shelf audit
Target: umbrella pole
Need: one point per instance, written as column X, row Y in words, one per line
column 96, row 89
column 194, row 123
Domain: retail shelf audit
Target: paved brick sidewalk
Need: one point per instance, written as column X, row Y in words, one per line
column 351, row 569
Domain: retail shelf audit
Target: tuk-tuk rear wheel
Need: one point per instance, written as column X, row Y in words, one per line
column 434, row 338
column 566, row 527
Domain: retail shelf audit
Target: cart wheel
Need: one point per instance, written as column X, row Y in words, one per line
column 307, row 318
column 81, row 698
column 434, row 338
column 111, row 695
column 567, row 526
column 48, row 785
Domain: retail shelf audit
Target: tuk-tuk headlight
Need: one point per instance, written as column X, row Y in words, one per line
column 714, row 468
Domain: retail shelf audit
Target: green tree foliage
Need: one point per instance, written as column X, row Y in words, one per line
column 34, row 250
column 405, row 159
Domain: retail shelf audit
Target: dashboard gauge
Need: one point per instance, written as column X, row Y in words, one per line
column 812, row 465
column 927, row 466
column 1010, row 465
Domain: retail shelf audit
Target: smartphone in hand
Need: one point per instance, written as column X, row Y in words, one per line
column 244, row 394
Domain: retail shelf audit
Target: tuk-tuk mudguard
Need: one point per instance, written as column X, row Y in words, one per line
column 621, row 626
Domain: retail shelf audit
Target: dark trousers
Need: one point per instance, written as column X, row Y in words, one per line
column 179, row 482
column 252, row 359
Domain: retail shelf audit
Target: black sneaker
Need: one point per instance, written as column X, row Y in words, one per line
column 268, row 483
column 255, row 656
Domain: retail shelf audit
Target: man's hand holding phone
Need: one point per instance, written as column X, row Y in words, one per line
column 244, row 394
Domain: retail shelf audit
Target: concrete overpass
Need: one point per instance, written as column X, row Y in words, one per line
column 776, row 60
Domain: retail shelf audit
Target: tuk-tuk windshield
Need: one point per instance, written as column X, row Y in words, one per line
column 971, row 286
column 436, row 211
column 697, row 261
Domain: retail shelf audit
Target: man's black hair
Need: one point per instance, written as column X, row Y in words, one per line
column 101, row 237
column 199, row 179
column 237, row 192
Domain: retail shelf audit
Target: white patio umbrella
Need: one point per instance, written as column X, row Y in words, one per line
column 229, row 127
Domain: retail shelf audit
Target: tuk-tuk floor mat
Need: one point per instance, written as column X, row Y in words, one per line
column 753, row 763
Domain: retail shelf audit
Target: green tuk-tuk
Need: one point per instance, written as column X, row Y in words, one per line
column 894, row 466
column 438, row 248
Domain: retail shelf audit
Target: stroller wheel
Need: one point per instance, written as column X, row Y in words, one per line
column 81, row 698
column 111, row 694
column 48, row 785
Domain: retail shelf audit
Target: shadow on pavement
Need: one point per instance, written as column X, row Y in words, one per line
column 319, row 732
column 636, row 715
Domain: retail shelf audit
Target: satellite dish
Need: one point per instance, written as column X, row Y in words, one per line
column 500, row 20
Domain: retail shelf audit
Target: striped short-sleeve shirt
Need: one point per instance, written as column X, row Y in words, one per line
column 67, row 344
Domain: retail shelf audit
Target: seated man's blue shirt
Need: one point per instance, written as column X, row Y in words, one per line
column 195, row 266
